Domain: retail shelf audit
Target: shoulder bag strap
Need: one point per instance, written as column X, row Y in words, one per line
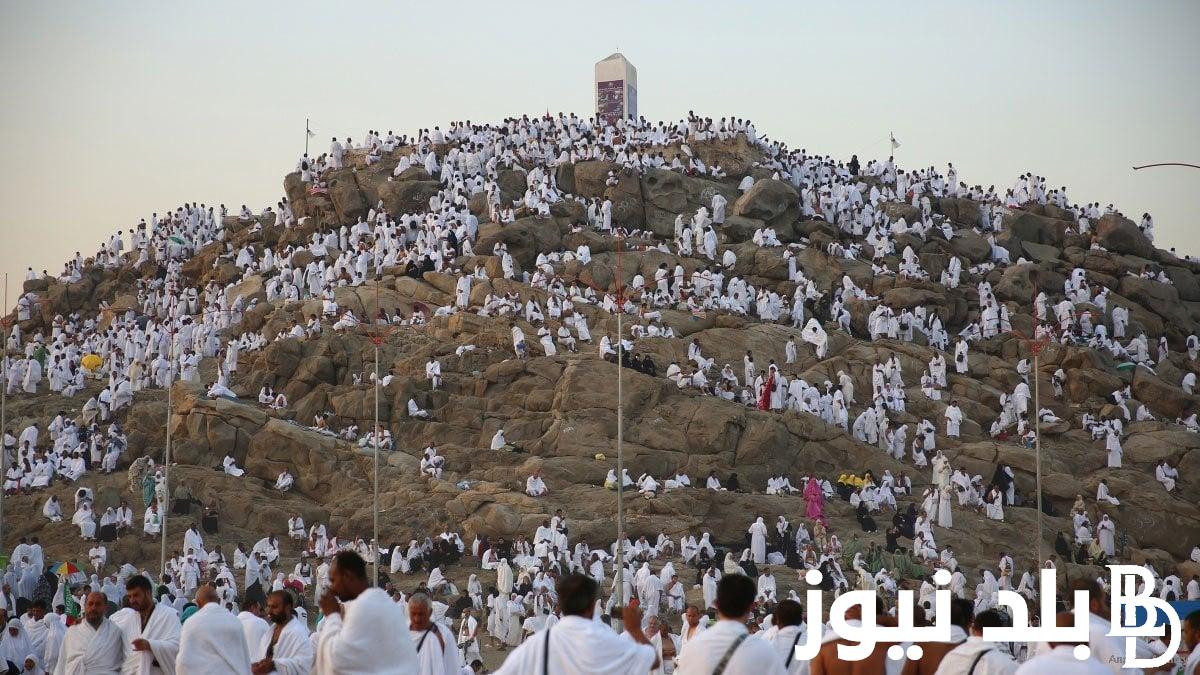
column 975, row 661
column 792, row 654
column 724, row 662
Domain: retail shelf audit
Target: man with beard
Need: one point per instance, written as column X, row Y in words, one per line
column 358, row 632
column 95, row 645
column 151, row 630
column 285, row 649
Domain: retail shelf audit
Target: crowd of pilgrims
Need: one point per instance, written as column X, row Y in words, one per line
column 173, row 325
column 513, row 593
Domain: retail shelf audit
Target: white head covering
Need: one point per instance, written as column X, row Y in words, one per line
column 15, row 648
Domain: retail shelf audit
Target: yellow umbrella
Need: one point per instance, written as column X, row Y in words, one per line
column 92, row 361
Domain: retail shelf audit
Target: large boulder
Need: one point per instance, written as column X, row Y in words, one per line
column 736, row 156
column 407, row 196
column 524, row 237
column 908, row 298
column 348, row 201
column 590, row 177
column 897, row 210
column 297, row 194
column 628, row 209
column 665, row 198
column 670, row 193
column 1020, row 283
column 512, row 184
column 963, row 212
column 414, row 172
column 1185, row 282
column 771, row 201
column 972, row 246
column 1164, row 399
column 250, row 288
column 1118, row 233
column 1161, row 299
column 1027, row 226
column 1041, row 252
column 1147, row 449
column 737, row 229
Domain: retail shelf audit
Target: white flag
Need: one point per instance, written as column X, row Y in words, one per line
column 311, row 134
column 895, row 143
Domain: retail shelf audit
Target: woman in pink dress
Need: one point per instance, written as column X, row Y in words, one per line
column 815, row 510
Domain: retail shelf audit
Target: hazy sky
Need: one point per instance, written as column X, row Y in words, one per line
column 113, row 110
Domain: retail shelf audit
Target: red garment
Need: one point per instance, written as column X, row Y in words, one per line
column 764, row 398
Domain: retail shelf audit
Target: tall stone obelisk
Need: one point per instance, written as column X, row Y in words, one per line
column 616, row 88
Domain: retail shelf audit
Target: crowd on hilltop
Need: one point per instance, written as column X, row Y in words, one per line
column 106, row 360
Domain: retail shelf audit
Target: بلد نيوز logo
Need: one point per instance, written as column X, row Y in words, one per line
column 865, row 634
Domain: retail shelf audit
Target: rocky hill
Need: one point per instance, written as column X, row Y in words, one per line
column 561, row 410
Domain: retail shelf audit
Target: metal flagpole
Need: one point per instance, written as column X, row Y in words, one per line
column 1037, row 444
column 162, row 555
column 1036, row 345
column 620, row 469
column 375, row 507
column 307, row 135
column 620, row 599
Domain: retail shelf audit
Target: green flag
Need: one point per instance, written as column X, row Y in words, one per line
column 69, row 601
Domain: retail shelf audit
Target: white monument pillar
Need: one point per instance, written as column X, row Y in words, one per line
column 616, row 88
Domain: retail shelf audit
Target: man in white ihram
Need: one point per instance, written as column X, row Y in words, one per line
column 150, row 629
column 211, row 642
column 286, row 648
column 974, row 653
column 1060, row 658
column 437, row 651
column 359, row 633
column 1108, row 650
column 254, row 627
column 577, row 645
column 94, row 646
column 725, row 645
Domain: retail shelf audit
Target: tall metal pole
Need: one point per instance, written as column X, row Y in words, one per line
column 375, row 508
column 620, row 592
column 164, row 508
column 1037, row 445
column 307, row 132
column 620, row 470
